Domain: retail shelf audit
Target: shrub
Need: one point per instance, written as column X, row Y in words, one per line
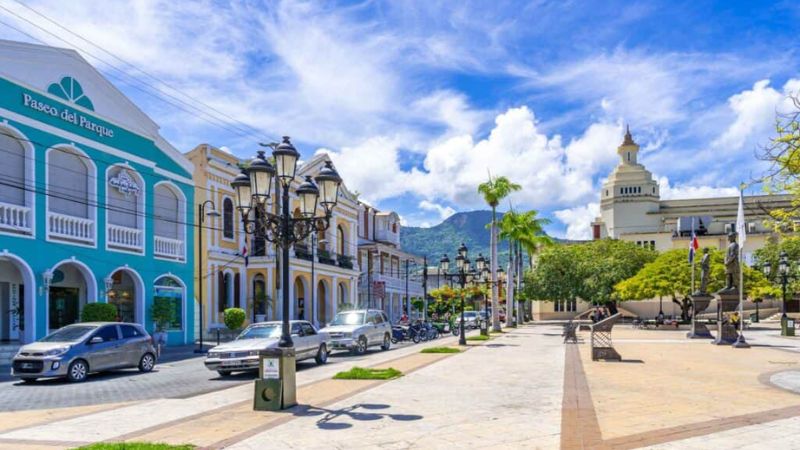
column 478, row 338
column 440, row 350
column 163, row 313
column 234, row 318
column 99, row 312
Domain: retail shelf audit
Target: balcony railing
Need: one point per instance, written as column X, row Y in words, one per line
column 15, row 218
column 70, row 228
column 124, row 238
column 169, row 248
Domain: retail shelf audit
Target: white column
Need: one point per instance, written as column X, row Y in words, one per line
column 272, row 292
column 243, row 284
column 354, row 293
column 334, row 297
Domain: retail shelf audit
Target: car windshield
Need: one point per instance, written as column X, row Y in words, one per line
column 350, row 318
column 261, row 332
column 68, row 334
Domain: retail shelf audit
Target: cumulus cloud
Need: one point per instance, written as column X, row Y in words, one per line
column 684, row 191
column 549, row 172
column 443, row 211
column 578, row 220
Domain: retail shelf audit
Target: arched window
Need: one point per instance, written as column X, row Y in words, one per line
column 169, row 289
column 227, row 218
column 342, row 299
column 394, row 227
column 166, row 212
column 125, row 197
column 69, row 178
column 12, row 170
column 340, row 240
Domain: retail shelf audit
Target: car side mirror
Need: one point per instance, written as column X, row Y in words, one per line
column 96, row 340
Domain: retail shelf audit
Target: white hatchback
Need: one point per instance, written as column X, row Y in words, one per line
column 358, row 330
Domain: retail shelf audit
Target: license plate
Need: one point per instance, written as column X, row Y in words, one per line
column 231, row 363
column 27, row 365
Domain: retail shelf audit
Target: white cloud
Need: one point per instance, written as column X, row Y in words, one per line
column 225, row 149
column 578, row 220
column 443, row 211
column 754, row 112
column 683, row 191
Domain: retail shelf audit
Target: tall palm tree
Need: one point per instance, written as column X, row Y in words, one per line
column 493, row 191
column 523, row 231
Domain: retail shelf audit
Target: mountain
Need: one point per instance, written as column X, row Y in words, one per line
column 467, row 227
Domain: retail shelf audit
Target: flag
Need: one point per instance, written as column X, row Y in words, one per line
column 693, row 244
column 244, row 254
column 740, row 224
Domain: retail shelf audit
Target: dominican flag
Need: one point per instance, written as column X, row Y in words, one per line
column 244, row 254
column 693, row 245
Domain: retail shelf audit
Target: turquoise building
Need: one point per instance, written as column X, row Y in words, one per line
column 95, row 206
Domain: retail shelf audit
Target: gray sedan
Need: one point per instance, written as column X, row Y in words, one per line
column 76, row 350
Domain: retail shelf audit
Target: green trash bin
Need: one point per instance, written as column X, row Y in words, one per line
column 275, row 386
column 753, row 317
column 787, row 327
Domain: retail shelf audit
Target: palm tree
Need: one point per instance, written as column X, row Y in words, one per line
column 493, row 191
column 523, row 231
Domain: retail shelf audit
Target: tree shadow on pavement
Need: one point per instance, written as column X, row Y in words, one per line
column 359, row 411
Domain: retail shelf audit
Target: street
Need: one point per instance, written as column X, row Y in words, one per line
column 169, row 380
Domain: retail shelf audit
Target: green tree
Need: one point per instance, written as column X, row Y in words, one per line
column 783, row 154
column 493, row 191
column 587, row 271
column 523, row 231
column 770, row 253
column 670, row 275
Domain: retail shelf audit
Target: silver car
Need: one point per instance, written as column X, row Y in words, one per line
column 241, row 354
column 360, row 329
column 76, row 350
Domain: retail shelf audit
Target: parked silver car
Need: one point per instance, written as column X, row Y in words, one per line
column 360, row 329
column 76, row 350
column 242, row 353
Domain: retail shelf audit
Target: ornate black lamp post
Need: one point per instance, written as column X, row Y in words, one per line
column 464, row 275
column 252, row 188
column 201, row 219
column 783, row 271
column 482, row 265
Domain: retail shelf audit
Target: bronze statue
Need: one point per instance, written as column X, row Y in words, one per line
column 732, row 265
column 705, row 268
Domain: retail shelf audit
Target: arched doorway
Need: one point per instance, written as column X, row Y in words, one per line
column 299, row 298
column 342, row 298
column 17, row 291
column 125, row 290
column 322, row 302
column 261, row 304
column 72, row 285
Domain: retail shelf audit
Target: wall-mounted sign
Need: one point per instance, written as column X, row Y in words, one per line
column 124, row 183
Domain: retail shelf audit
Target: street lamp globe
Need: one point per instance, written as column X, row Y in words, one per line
column 462, row 251
column 328, row 181
column 444, row 263
column 459, row 261
column 286, row 157
column 308, row 194
column 480, row 262
column 783, row 263
column 261, row 173
column 767, row 268
column 244, row 195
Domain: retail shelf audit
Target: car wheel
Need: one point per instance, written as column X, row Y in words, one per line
column 322, row 355
column 147, row 363
column 223, row 373
column 78, row 371
column 361, row 346
column 29, row 380
column 387, row 343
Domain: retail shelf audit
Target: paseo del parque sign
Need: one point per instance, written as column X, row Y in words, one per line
column 67, row 115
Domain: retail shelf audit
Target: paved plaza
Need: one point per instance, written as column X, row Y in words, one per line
column 523, row 389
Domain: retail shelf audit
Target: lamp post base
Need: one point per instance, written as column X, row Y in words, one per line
column 740, row 343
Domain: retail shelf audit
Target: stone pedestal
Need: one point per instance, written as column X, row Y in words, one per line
column 700, row 303
column 726, row 333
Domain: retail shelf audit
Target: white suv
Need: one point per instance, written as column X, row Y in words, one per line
column 358, row 330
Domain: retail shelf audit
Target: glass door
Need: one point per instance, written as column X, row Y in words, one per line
column 64, row 307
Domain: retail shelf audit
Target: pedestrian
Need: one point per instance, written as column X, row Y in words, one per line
column 735, row 320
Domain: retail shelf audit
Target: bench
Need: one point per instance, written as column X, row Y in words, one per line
column 602, row 346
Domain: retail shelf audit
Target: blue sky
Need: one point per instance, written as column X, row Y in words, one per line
column 418, row 101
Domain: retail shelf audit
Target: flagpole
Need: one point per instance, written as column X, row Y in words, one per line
column 742, row 225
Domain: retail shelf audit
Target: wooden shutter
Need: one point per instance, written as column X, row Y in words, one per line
column 236, row 292
column 221, row 304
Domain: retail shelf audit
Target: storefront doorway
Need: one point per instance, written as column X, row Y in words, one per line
column 16, row 299
column 123, row 295
column 65, row 306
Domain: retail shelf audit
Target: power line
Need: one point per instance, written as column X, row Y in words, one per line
column 153, row 77
column 207, row 117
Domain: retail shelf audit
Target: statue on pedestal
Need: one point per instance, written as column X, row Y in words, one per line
column 731, row 266
column 705, row 269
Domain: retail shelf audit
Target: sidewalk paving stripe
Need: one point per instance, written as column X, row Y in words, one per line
column 579, row 426
column 35, row 417
column 27, row 442
column 240, row 421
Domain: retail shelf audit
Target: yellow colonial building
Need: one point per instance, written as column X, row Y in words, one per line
column 239, row 270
